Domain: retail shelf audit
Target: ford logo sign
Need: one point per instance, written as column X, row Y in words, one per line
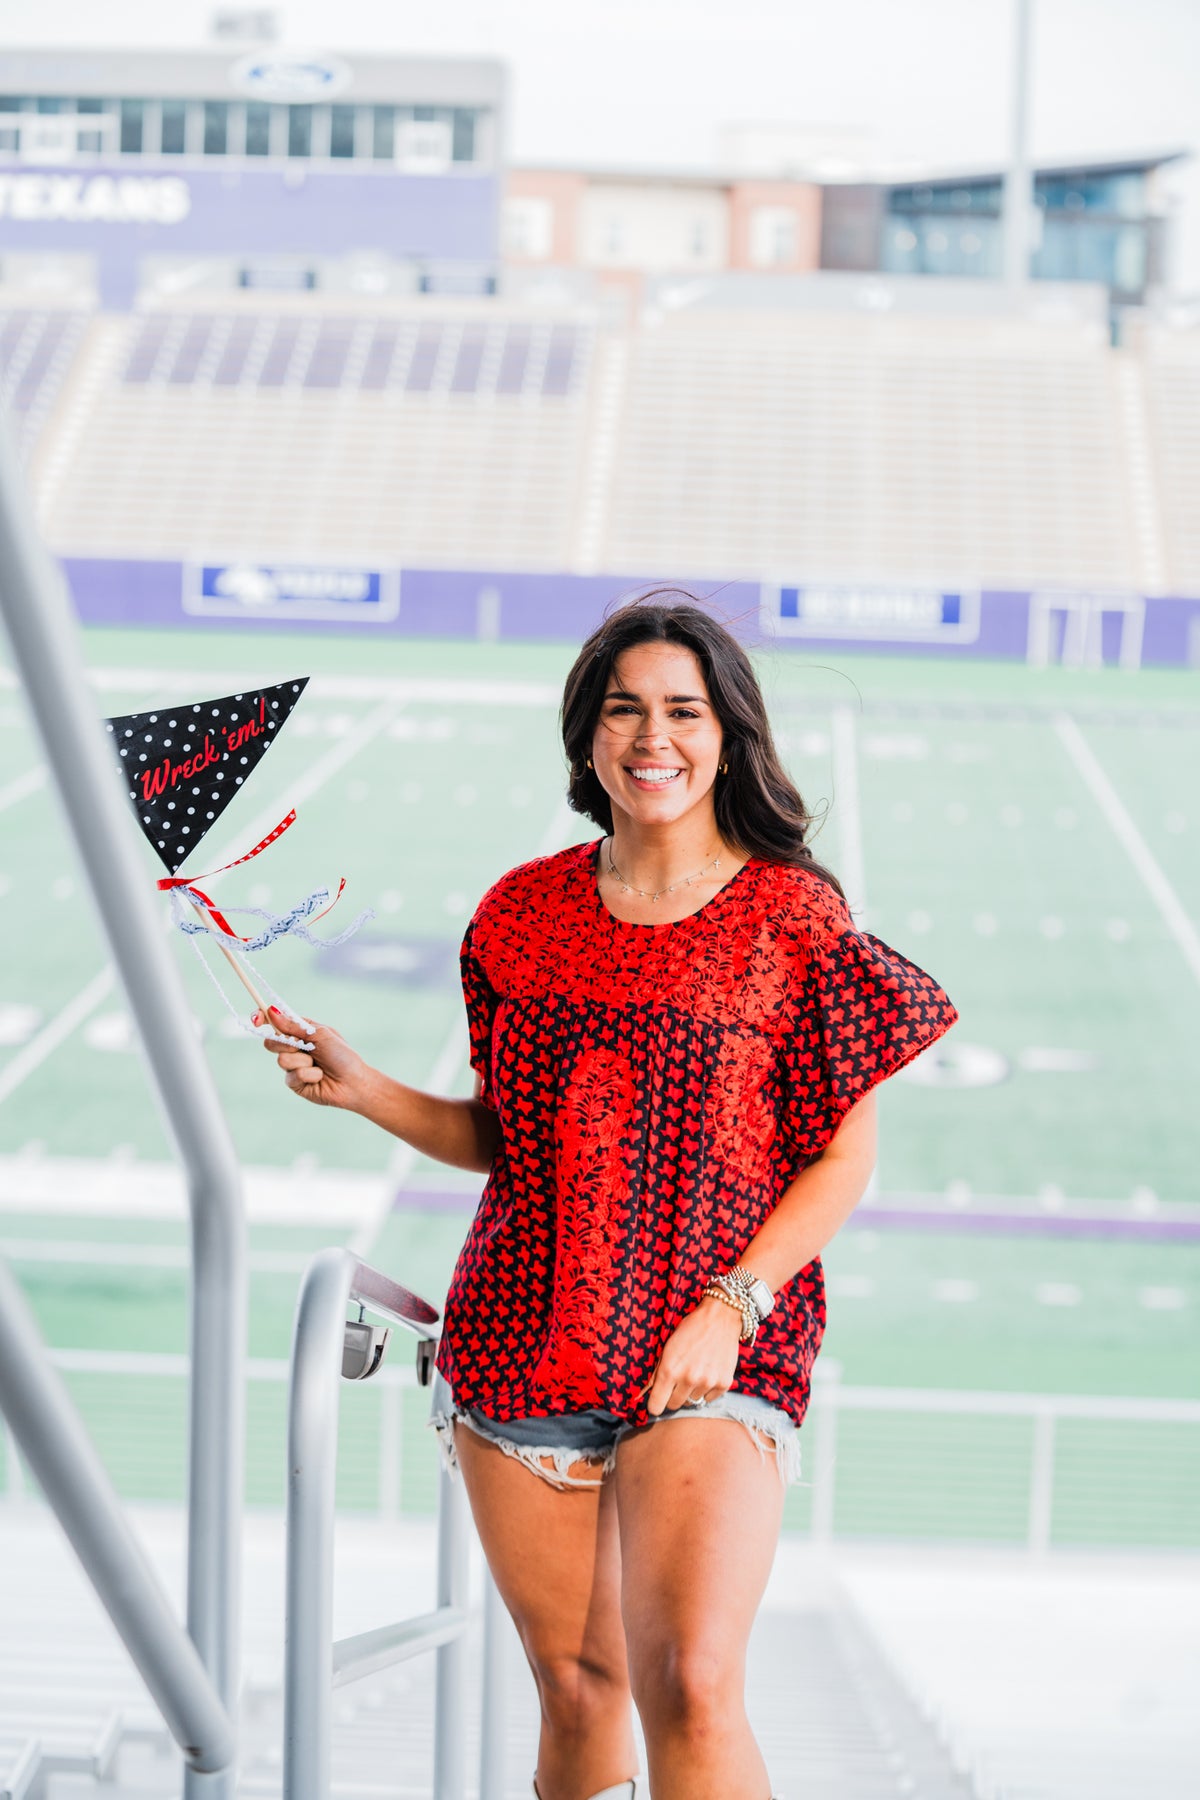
column 297, row 77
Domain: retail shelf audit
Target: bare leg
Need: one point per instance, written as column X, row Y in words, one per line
column 700, row 1512
column 556, row 1561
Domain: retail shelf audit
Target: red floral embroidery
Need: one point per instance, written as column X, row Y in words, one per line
column 657, row 1090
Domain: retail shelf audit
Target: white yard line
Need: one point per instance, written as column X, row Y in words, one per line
column 847, row 813
column 1171, row 908
column 20, row 788
column 140, row 1256
column 447, row 691
column 443, row 1074
column 55, row 1033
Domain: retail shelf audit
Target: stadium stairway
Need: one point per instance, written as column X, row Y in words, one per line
column 74, row 1723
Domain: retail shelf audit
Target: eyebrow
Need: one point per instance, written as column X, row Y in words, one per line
column 671, row 699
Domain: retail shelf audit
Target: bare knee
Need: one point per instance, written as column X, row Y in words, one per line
column 577, row 1693
column 693, row 1687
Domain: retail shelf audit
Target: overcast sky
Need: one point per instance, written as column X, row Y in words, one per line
column 649, row 82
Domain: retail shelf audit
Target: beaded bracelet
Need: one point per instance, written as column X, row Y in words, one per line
column 720, row 1288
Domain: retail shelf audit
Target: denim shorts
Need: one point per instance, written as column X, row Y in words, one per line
column 593, row 1436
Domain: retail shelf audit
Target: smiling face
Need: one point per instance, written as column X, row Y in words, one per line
column 657, row 743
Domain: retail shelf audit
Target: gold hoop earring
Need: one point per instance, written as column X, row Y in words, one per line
column 724, row 768
column 589, row 762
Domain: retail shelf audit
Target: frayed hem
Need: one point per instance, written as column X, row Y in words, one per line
column 529, row 1455
column 784, row 1439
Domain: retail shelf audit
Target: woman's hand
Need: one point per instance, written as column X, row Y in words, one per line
column 698, row 1360
column 330, row 1074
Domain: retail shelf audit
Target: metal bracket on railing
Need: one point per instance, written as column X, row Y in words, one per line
column 323, row 1341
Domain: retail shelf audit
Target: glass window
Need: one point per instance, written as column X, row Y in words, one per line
column 89, row 105
column 1121, row 194
column 12, row 103
column 10, row 137
column 132, row 118
column 216, row 127
column 258, row 128
column 51, row 103
column 463, row 139
column 89, row 143
column 174, row 127
column 383, row 133
column 426, row 114
column 341, row 130
column 300, row 119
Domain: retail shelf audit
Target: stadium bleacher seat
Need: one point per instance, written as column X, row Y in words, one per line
column 448, row 435
column 1171, row 361
column 845, row 447
column 37, row 348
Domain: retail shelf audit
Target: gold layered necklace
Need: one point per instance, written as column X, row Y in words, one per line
column 627, row 887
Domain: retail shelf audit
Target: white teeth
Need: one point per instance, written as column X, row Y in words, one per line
column 655, row 777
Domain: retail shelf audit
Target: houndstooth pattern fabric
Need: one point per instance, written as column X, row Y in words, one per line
column 658, row 1088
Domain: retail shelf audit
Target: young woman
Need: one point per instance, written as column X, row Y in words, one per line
column 676, row 1031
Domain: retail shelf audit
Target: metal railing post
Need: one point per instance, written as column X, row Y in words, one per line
column 312, row 1472
column 1041, row 1481
column 62, row 1458
column 41, row 630
column 492, row 1746
column 826, row 1393
column 453, row 1577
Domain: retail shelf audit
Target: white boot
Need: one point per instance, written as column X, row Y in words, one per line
column 624, row 1790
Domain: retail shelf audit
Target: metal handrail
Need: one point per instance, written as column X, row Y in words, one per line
column 313, row 1663
column 61, row 1455
column 40, row 626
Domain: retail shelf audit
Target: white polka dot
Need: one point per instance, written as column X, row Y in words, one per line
column 466, row 795
column 985, row 924
column 957, row 813
column 919, row 921
column 1176, row 823
column 391, row 900
column 1118, row 930
column 519, row 796
column 1066, row 818
column 902, row 811
column 1011, row 815
column 1051, row 926
column 456, row 905
column 62, row 887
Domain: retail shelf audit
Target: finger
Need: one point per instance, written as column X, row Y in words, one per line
column 295, row 1059
column 291, row 1027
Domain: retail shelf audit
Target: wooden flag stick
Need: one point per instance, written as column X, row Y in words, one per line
column 235, row 964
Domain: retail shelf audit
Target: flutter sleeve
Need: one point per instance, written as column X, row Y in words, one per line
column 480, row 998
column 863, row 1011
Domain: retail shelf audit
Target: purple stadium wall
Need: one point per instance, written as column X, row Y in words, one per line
column 516, row 607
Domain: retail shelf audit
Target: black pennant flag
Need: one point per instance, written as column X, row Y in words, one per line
column 184, row 764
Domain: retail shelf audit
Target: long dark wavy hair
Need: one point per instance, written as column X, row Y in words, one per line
column 758, row 807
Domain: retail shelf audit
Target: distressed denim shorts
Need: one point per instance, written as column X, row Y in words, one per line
column 593, row 1436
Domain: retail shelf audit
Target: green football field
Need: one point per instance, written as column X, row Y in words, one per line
column 1032, row 837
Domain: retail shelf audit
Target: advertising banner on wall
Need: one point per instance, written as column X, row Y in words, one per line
column 888, row 613
column 278, row 592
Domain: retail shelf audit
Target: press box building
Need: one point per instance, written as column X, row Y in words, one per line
column 267, row 169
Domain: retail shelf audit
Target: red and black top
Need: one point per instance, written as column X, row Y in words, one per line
column 658, row 1087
